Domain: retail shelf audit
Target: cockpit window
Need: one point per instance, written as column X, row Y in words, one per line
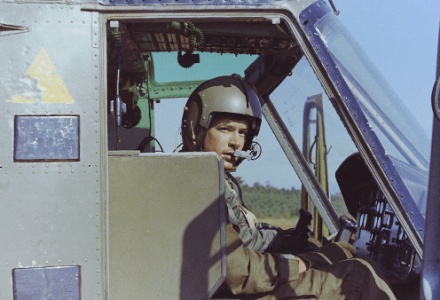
column 312, row 133
column 404, row 140
column 211, row 65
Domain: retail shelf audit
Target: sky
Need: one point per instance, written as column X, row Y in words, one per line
column 400, row 37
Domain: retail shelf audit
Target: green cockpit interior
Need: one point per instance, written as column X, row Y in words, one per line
column 166, row 60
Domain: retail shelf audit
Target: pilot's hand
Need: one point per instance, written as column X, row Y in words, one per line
column 293, row 243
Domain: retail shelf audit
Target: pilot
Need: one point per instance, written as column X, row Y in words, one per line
column 240, row 115
column 224, row 115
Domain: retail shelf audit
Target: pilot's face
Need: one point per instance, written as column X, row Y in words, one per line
column 224, row 136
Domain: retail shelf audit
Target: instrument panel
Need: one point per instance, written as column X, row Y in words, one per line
column 379, row 235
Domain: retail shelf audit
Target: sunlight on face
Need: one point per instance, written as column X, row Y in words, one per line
column 224, row 136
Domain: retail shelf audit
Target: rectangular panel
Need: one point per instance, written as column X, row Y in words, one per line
column 47, row 283
column 46, row 138
column 164, row 226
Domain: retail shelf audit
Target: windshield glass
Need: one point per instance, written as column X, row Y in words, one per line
column 404, row 140
column 315, row 126
column 211, row 65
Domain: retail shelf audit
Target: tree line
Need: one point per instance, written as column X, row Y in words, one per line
column 270, row 202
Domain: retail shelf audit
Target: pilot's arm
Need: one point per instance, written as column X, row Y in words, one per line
column 260, row 240
column 250, row 272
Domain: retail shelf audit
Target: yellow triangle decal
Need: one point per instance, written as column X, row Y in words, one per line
column 51, row 85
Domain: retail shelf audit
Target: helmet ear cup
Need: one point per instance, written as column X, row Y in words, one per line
column 192, row 132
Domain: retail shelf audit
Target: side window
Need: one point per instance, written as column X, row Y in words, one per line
column 314, row 124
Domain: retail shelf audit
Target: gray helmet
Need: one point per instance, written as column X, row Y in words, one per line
column 225, row 94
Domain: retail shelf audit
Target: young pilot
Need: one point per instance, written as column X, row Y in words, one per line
column 223, row 115
column 231, row 108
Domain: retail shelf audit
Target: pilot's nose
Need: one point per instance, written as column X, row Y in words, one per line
column 235, row 141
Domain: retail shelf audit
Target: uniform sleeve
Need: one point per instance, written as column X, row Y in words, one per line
column 250, row 272
column 261, row 240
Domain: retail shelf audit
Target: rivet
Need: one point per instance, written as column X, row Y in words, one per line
column 420, row 229
column 401, row 195
column 411, row 213
column 85, row 259
column 346, row 99
column 71, row 171
column 47, row 262
column 33, row 111
column 59, row 261
column 47, row 172
column 47, row 166
column 21, row 111
column 33, row 172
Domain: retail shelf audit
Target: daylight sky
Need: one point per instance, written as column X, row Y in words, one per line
column 400, row 37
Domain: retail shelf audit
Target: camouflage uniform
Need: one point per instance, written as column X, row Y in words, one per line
column 261, row 240
column 332, row 272
column 254, row 275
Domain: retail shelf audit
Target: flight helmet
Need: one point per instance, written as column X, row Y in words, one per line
column 225, row 94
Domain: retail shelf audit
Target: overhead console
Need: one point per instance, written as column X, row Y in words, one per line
column 380, row 235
